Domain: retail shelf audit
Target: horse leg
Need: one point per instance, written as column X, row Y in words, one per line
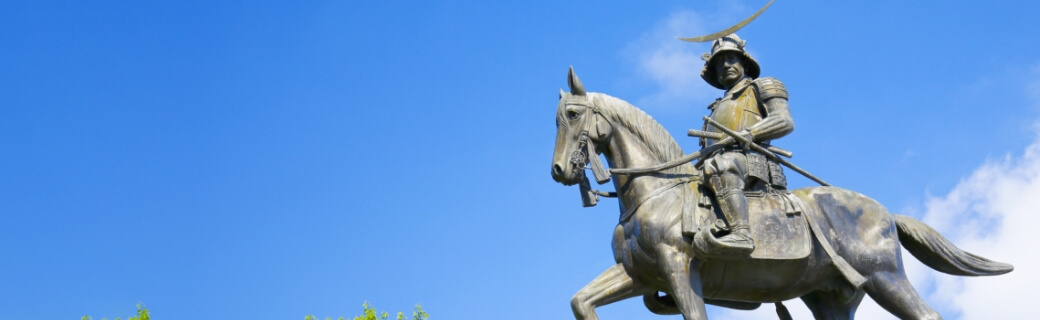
column 893, row 291
column 610, row 286
column 830, row 305
column 686, row 285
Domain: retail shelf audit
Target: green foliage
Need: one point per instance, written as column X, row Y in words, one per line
column 417, row 314
column 369, row 313
column 142, row 314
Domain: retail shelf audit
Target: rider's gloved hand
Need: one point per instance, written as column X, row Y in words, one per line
column 747, row 139
column 726, row 141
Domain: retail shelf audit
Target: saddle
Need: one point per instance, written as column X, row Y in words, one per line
column 778, row 226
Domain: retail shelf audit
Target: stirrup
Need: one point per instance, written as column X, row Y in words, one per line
column 707, row 247
column 738, row 241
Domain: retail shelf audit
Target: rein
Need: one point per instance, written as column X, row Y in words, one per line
column 632, row 210
column 586, row 153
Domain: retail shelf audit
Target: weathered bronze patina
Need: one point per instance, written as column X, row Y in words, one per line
column 753, row 110
column 828, row 246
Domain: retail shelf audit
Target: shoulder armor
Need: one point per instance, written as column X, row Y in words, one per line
column 714, row 103
column 769, row 88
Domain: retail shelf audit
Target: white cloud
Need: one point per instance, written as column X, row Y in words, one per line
column 995, row 213
column 673, row 65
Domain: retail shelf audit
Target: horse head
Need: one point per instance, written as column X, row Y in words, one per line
column 581, row 133
column 589, row 124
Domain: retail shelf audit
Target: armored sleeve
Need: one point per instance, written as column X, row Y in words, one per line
column 769, row 88
column 777, row 122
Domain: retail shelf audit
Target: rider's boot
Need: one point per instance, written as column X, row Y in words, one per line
column 734, row 206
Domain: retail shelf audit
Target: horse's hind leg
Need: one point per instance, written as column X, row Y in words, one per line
column 830, row 305
column 610, row 286
column 893, row 291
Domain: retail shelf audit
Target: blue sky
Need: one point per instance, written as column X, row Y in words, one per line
column 266, row 160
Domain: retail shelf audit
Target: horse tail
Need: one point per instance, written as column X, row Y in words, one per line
column 932, row 249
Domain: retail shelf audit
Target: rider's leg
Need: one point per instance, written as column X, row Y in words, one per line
column 729, row 189
column 726, row 173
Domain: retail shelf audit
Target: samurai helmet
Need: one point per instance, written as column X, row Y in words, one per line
column 729, row 42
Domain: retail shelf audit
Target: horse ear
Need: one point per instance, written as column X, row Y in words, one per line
column 572, row 80
column 562, row 93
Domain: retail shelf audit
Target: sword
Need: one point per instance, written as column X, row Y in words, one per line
column 719, row 136
column 767, row 153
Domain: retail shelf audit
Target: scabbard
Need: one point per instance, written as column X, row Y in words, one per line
column 719, row 136
column 760, row 149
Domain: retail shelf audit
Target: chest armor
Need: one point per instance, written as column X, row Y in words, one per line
column 737, row 113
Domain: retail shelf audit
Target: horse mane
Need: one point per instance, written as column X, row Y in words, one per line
column 645, row 128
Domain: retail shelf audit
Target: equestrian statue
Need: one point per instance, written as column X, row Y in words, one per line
column 719, row 226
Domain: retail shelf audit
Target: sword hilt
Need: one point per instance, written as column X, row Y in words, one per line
column 719, row 136
column 760, row 149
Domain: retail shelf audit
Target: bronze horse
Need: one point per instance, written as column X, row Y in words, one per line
column 653, row 255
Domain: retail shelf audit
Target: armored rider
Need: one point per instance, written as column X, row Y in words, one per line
column 757, row 109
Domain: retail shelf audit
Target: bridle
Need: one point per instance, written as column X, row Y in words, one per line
column 586, row 152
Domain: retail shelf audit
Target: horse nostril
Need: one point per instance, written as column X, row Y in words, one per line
column 557, row 171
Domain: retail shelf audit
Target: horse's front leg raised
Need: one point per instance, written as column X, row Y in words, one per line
column 685, row 285
column 610, row 286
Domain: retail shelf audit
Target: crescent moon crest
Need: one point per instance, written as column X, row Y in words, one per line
column 729, row 30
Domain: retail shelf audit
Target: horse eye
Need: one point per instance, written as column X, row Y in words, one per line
column 573, row 115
